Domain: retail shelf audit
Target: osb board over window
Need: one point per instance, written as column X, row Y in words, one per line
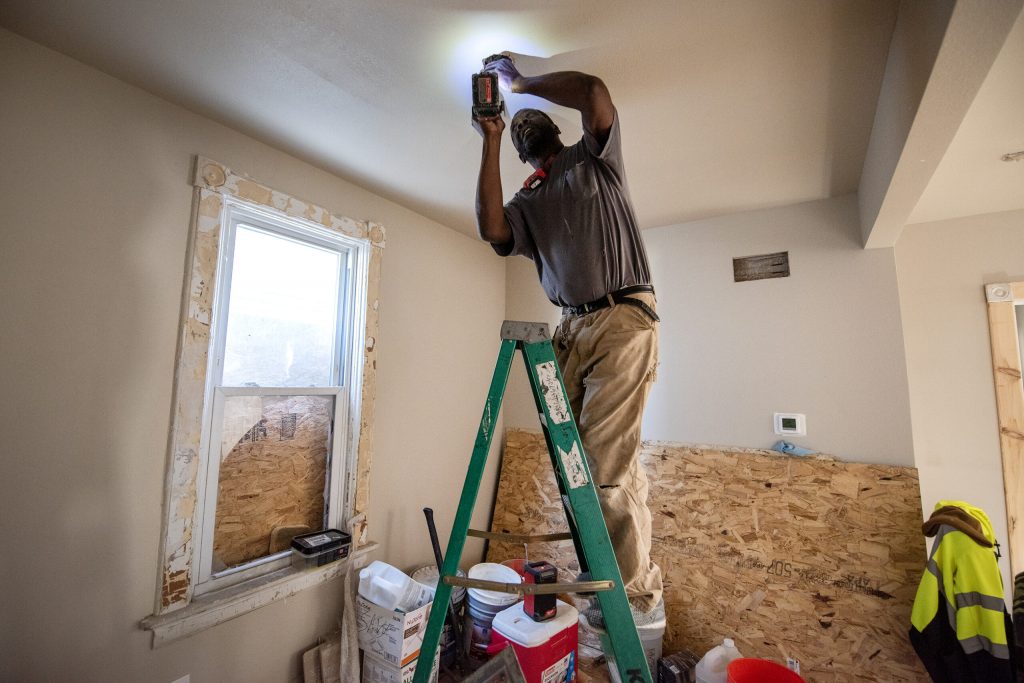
column 272, row 476
column 211, row 182
column 811, row 558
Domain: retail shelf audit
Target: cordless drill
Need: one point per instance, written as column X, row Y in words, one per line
column 487, row 100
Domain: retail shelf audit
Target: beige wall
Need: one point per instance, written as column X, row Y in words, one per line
column 943, row 267
column 95, row 190
column 825, row 341
column 524, row 300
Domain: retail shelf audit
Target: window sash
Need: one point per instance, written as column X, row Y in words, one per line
column 237, row 213
column 207, row 580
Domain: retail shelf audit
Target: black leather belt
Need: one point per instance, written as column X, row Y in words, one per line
column 620, row 296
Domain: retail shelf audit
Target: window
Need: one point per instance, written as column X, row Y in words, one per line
column 273, row 397
column 275, row 447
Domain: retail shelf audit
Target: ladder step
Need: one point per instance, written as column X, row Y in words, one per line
column 525, row 331
column 519, row 538
column 531, row 588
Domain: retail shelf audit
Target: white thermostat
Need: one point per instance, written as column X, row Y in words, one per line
column 793, row 424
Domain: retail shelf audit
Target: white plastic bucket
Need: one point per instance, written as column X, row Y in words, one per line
column 428, row 575
column 483, row 605
column 491, row 571
column 650, row 639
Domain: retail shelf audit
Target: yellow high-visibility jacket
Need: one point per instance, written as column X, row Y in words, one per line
column 960, row 627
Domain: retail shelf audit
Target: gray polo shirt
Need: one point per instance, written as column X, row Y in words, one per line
column 578, row 226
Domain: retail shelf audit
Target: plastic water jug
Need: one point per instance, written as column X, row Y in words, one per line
column 391, row 588
column 712, row 666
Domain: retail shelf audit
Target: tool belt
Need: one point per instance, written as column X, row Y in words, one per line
column 621, row 296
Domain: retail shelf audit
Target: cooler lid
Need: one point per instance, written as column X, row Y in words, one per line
column 514, row 624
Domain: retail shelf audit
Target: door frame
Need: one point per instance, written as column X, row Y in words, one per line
column 1006, row 369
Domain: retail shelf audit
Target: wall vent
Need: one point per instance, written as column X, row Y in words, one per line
column 761, row 267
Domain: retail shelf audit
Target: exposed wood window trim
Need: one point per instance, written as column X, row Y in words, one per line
column 211, row 609
column 213, row 181
column 1006, row 367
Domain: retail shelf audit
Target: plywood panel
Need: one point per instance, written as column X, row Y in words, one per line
column 811, row 558
column 273, row 473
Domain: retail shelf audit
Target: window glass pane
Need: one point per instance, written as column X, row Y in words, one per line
column 273, row 464
column 283, row 313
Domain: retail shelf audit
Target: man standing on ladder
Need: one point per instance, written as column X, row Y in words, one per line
column 574, row 219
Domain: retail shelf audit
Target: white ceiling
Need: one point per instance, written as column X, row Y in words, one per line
column 972, row 179
column 726, row 106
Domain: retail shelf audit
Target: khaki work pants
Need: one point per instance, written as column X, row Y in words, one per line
column 608, row 360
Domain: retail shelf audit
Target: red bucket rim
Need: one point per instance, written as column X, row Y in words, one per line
column 756, row 669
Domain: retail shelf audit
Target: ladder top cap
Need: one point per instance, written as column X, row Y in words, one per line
column 524, row 331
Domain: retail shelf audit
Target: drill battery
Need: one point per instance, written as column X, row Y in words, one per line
column 486, row 96
column 540, row 607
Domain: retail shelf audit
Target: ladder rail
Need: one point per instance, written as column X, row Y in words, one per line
column 570, row 517
column 460, row 527
column 583, row 510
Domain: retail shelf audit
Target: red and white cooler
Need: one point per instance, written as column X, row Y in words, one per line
column 546, row 650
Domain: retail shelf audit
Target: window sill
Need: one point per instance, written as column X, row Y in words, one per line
column 215, row 608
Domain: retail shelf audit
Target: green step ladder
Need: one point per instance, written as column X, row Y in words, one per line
column 621, row 642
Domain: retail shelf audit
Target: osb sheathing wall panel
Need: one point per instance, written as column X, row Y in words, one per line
column 212, row 181
column 272, row 474
column 810, row 558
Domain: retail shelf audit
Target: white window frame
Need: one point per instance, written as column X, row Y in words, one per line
column 345, row 384
column 179, row 609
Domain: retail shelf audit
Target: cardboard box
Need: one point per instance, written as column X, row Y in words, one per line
column 391, row 635
column 378, row 671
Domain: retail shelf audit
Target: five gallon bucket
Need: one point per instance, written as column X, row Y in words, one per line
column 760, row 671
column 519, row 564
column 483, row 605
column 427, row 575
column 650, row 639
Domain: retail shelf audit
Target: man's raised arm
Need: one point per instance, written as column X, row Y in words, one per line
column 490, row 207
column 574, row 89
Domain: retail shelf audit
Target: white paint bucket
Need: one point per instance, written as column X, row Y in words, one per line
column 483, row 605
column 428, row 575
column 650, row 639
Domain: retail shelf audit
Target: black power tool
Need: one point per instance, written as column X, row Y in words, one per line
column 487, row 100
column 540, row 607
